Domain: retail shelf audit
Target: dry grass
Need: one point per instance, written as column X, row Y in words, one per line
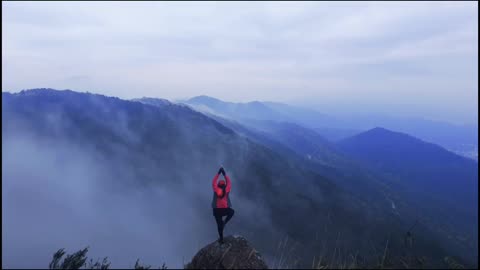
column 78, row 260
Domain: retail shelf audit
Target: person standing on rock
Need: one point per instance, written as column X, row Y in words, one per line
column 221, row 202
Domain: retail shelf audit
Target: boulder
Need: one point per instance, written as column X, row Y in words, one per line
column 234, row 253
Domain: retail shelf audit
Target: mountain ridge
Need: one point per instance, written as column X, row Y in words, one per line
column 140, row 142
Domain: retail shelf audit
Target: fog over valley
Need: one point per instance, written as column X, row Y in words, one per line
column 132, row 179
column 240, row 135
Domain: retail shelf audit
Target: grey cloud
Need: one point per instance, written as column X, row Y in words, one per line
column 290, row 52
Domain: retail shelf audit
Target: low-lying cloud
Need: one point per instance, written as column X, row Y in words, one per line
column 62, row 193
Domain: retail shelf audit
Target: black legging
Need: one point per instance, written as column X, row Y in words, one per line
column 219, row 213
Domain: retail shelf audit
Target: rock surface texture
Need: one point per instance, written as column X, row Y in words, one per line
column 234, row 253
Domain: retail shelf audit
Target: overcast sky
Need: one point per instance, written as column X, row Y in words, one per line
column 407, row 58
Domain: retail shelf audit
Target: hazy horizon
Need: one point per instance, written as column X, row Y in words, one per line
column 372, row 162
column 405, row 59
column 324, row 110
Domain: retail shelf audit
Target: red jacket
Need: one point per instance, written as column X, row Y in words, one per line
column 217, row 201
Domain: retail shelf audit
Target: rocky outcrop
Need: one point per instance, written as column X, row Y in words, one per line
column 234, row 253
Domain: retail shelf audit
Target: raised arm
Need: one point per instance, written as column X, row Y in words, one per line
column 214, row 182
column 229, row 184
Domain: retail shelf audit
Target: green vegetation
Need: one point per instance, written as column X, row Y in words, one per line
column 78, row 260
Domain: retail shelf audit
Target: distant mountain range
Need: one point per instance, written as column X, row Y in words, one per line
column 410, row 165
column 456, row 138
column 178, row 150
column 355, row 195
column 272, row 111
column 153, row 101
column 421, row 182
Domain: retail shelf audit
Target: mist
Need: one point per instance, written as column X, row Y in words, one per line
column 64, row 192
column 133, row 181
column 58, row 196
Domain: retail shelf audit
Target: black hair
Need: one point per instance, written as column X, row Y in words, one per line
column 223, row 187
